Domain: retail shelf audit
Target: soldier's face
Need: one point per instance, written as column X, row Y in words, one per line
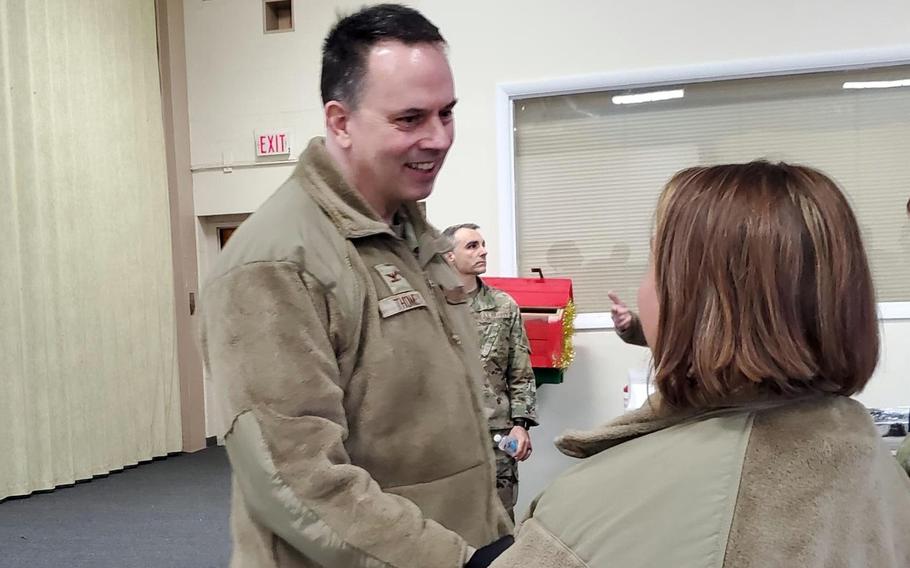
column 403, row 126
column 470, row 253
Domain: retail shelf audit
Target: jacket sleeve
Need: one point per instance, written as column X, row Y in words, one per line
column 634, row 334
column 271, row 351
column 536, row 546
column 520, row 375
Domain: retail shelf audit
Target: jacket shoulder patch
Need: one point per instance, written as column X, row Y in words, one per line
column 393, row 277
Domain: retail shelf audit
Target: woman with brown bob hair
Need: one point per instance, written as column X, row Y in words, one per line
column 760, row 312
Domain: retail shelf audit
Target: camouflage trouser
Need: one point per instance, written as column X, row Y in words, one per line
column 506, row 477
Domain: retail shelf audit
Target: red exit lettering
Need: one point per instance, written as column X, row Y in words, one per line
column 268, row 144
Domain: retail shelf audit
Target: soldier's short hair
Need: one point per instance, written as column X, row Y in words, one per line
column 450, row 231
column 345, row 50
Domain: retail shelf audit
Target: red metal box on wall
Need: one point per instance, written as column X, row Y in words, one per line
column 548, row 312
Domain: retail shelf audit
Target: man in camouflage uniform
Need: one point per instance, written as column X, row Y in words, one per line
column 510, row 394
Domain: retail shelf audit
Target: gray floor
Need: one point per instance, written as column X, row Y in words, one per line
column 171, row 512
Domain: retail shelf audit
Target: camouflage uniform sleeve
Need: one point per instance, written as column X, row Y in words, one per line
column 633, row 334
column 520, row 376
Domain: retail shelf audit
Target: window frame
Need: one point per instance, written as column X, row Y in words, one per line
column 507, row 94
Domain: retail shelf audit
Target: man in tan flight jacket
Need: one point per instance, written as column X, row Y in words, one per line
column 339, row 340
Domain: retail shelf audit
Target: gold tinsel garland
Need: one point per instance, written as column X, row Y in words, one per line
column 568, row 330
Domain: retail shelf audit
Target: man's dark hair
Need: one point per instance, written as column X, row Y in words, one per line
column 450, row 231
column 344, row 52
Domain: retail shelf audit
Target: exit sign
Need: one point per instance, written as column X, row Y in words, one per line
column 273, row 143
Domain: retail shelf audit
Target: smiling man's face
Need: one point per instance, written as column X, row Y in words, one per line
column 402, row 127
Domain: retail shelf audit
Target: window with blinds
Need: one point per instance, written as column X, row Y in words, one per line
column 589, row 167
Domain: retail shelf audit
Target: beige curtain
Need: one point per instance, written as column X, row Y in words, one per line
column 88, row 368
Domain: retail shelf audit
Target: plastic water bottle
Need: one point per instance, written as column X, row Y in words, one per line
column 508, row 444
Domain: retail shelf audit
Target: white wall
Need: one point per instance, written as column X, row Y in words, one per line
column 241, row 80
